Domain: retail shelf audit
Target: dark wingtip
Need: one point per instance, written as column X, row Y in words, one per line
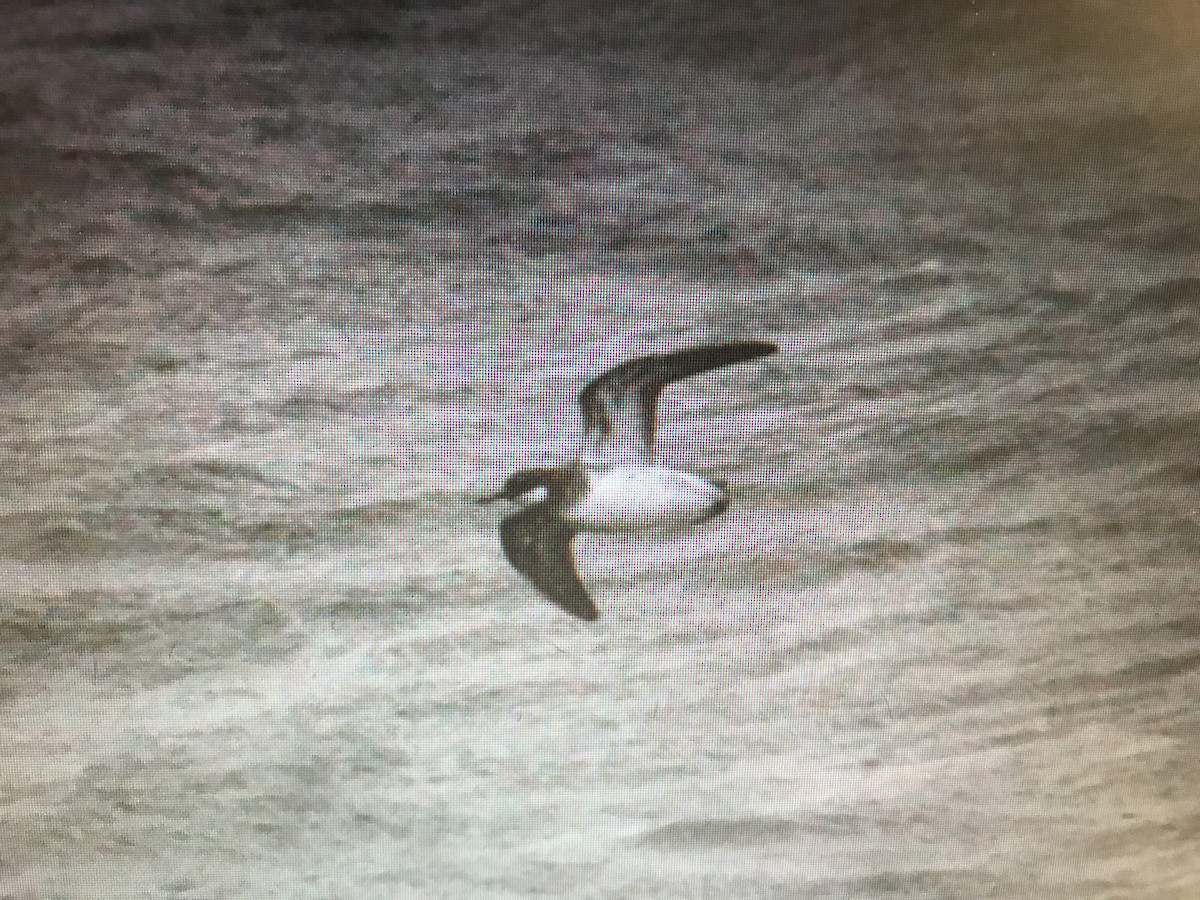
column 758, row 348
column 734, row 351
column 580, row 605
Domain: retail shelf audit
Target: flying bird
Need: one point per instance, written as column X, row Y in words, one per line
column 613, row 484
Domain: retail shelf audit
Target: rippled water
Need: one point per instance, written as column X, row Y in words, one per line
column 255, row 640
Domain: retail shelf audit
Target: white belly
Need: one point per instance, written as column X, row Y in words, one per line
column 635, row 497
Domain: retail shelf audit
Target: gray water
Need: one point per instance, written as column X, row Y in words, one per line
column 275, row 334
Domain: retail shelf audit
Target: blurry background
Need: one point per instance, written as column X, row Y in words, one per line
column 286, row 284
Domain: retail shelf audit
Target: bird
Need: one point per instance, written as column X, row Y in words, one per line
column 613, row 483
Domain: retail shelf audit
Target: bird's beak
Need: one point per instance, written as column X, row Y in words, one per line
column 536, row 493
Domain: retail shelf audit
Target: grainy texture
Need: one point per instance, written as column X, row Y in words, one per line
column 286, row 286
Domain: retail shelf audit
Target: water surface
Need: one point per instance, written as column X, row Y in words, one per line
column 255, row 639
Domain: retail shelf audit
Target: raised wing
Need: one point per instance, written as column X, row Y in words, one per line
column 538, row 545
column 620, row 406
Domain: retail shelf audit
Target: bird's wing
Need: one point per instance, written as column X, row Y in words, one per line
column 538, row 544
column 619, row 406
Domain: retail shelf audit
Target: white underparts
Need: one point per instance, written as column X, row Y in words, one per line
column 645, row 497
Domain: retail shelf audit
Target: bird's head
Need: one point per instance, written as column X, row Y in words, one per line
column 519, row 484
